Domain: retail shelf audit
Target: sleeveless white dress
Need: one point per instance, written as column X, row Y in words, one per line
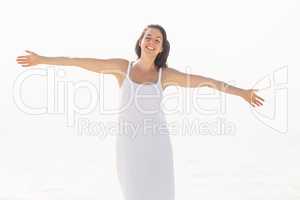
column 144, row 154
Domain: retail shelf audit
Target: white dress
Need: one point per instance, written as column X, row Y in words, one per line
column 143, row 147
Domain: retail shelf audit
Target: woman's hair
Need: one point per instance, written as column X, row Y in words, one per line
column 161, row 58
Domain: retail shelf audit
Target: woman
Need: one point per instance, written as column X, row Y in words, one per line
column 144, row 151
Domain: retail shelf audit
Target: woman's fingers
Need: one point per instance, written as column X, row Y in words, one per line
column 29, row 51
column 22, row 62
column 256, row 100
column 27, row 60
column 254, row 104
column 259, row 98
column 20, row 57
column 258, row 103
column 253, row 99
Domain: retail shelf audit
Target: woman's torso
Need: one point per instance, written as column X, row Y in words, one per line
column 141, row 103
column 138, row 76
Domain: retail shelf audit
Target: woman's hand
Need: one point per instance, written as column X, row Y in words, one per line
column 253, row 99
column 29, row 60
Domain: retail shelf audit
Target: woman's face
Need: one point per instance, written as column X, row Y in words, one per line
column 151, row 43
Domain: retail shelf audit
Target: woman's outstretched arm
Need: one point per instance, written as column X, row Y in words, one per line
column 106, row 66
column 174, row 77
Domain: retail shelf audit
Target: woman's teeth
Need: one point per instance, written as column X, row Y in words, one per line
column 150, row 48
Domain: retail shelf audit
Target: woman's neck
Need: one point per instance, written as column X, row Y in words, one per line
column 146, row 63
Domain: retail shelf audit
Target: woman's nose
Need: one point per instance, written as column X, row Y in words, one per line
column 151, row 42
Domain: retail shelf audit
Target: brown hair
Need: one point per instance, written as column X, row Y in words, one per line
column 161, row 58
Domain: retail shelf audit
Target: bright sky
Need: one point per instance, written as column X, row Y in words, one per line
column 250, row 44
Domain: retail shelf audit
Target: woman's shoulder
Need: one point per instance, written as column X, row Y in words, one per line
column 119, row 65
column 118, row 68
column 170, row 71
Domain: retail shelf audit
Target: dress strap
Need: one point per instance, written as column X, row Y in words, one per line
column 159, row 75
column 128, row 68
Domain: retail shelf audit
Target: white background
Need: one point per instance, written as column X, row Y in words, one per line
column 245, row 43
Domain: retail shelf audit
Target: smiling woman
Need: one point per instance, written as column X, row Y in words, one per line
column 144, row 155
column 154, row 41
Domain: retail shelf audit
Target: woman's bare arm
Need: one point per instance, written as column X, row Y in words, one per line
column 105, row 66
column 175, row 77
